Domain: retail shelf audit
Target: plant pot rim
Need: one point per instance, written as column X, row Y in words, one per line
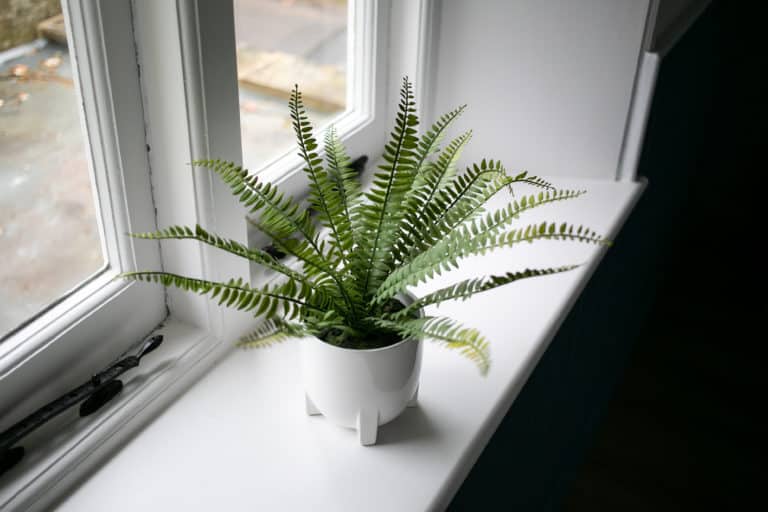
column 366, row 350
column 407, row 298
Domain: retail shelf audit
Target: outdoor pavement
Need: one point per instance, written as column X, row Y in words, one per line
column 49, row 238
column 315, row 31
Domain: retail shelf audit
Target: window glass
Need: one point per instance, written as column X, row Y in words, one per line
column 281, row 43
column 49, row 234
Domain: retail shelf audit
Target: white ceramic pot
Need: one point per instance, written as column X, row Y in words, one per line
column 360, row 389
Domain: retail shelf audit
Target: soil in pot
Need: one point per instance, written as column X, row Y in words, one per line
column 375, row 338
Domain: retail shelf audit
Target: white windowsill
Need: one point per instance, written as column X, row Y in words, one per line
column 239, row 438
column 67, row 447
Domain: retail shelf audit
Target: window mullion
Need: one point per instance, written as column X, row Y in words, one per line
column 188, row 78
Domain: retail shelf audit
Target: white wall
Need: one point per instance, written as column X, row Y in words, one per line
column 548, row 82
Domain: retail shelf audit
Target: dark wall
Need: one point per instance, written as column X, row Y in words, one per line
column 691, row 230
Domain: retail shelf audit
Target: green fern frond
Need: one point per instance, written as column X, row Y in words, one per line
column 345, row 187
column 419, row 218
column 476, row 238
column 280, row 218
column 280, row 213
column 466, row 193
column 422, row 197
column 271, row 332
column 290, row 296
column 429, row 143
column 379, row 218
column 319, row 270
column 231, row 246
column 467, row 203
column 324, row 197
column 535, row 181
column 470, row 287
column 448, row 333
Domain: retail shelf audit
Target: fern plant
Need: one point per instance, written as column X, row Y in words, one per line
column 420, row 217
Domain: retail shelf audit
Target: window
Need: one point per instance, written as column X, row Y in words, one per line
column 156, row 84
column 85, row 150
column 50, row 240
column 150, row 99
column 335, row 51
column 280, row 44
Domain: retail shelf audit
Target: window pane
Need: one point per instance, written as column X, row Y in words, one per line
column 49, row 235
column 281, row 43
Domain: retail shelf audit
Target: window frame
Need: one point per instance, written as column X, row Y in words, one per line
column 362, row 126
column 71, row 334
column 206, row 45
column 189, row 110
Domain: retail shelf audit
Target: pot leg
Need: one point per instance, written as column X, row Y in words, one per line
column 367, row 427
column 414, row 401
column 310, row 407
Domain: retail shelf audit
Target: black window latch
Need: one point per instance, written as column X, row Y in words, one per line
column 95, row 393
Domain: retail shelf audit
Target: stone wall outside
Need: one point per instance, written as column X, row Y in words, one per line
column 19, row 19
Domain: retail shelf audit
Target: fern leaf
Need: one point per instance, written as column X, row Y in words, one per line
column 422, row 196
column 469, row 287
column 323, row 196
column 534, row 181
column 379, row 219
column 280, row 218
column 467, row 202
column 345, row 189
column 429, row 142
column 233, row 247
column 271, row 332
column 476, row 238
column 281, row 215
column 449, row 333
column 289, row 296
column 466, row 193
column 318, row 269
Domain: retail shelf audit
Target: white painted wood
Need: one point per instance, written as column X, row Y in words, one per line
column 638, row 117
column 211, row 92
column 650, row 24
column 403, row 53
column 548, row 84
column 67, row 448
column 245, row 422
column 88, row 329
column 187, row 116
column 414, row 34
column 159, row 48
column 426, row 64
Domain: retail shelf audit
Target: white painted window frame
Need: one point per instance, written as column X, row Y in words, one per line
column 86, row 330
column 189, row 72
column 176, row 60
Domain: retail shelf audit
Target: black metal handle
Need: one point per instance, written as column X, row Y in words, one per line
column 101, row 388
